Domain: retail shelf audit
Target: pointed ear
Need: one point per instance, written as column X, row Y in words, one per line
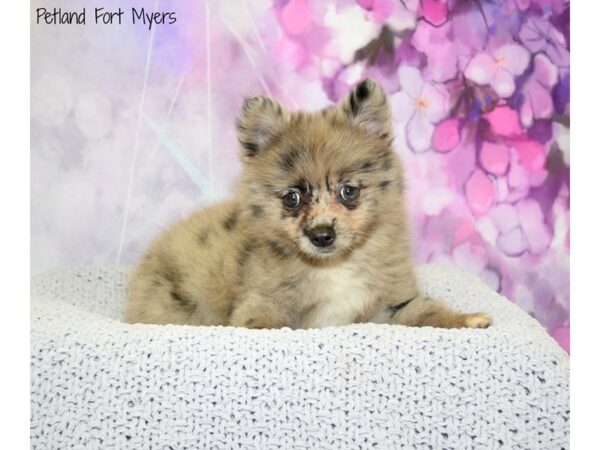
column 366, row 107
column 260, row 120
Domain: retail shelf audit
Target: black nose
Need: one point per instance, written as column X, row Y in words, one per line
column 322, row 236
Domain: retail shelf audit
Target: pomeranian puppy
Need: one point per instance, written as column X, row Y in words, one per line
column 316, row 234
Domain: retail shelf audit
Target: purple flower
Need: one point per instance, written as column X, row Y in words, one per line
column 498, row 68
column 539, row 35
column 420, row 105
column 442, row 53
column 537, row 91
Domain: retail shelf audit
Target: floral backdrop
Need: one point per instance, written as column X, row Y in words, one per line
column 132, row 126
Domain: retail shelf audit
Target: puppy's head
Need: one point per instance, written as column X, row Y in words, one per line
column 319, row 183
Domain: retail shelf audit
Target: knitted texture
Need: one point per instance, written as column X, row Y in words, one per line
column 99, row 383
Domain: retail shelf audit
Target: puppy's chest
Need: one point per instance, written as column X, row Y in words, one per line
column 335, row 296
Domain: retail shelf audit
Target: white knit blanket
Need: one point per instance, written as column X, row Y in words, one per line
column 99, row 383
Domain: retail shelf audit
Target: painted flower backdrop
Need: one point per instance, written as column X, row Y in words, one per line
column 132, row 128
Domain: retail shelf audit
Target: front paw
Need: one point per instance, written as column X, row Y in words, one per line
column 478, row 320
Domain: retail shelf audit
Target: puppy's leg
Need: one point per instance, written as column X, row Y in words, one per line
column 423, row 311
column 255, row 311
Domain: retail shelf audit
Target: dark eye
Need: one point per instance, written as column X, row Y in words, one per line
column 348, row 192
column 291, row 199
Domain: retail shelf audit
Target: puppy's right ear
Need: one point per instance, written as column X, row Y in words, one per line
column 260, row 120
column 366, row 107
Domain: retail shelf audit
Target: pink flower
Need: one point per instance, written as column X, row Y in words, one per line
column 494, row 158
column 499, row 68
column 296, row 17
column 304, row 40
column 446, row 135
column 480, row 192
column 526, row 171
column 504, row 121
column 420, row 105
column 435, row 11
column 538, row 91
column 532, row 154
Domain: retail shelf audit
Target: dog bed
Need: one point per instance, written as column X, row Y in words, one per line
column 97, row 382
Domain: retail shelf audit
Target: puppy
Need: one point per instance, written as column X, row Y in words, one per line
column 316, row 234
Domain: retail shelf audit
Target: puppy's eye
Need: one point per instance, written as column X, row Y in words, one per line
column 348, row 192
column 291, row 199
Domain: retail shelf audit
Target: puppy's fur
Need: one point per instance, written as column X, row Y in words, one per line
column 259, row 260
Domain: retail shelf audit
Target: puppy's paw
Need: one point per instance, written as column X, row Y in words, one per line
column 264, row 323
column 478, row 320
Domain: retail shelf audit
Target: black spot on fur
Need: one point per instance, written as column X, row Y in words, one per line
column 367, row 167
column 245, row 252
column 277, row 249
column 289, row 160
column 170, row 272
column 304, row 187
column 387, row 164
column 249, row 101
column 384, row 184
column 257, row 211
column 288, row 285
column 183, row 301
column 243, row 257
column 353, row 105
column 399, row 306
column 231, row 220
column 203, row 237
column 358, row 96
column 362, row 90
column 239, row 126
column 250, row 147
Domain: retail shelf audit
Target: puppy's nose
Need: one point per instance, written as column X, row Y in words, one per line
column 322, row 236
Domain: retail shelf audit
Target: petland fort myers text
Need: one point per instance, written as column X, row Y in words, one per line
column 103, row 16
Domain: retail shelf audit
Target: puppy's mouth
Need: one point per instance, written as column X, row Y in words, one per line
column 324, row 251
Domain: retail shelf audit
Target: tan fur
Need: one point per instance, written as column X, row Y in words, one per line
column 248, row 262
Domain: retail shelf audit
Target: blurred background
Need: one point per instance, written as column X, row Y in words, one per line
column 132, row 127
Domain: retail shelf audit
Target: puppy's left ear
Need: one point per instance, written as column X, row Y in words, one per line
column 366, row 107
